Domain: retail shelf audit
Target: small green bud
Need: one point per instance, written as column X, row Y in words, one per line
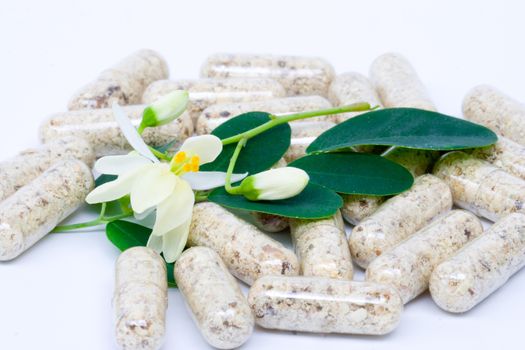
column 274, row 184
column 165, row 109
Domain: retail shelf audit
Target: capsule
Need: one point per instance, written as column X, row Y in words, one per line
column 216, row 302
column 247, row 252
column 208, row 92
column 101, row 130
column 481, row 187
column 408, row 265
column 398, row 218
column 322, row 305
column 505, row 154
column 357, row 207
column 140, row 299
column 298, row 75
column 29, row 164
column 492, row 108
column 215, row 115
column 269, row 222
column 303, row 134
column 352, row 87
column 398, row 84
column 34, row 210
column 123, row 83
column 322, row 248
column 480, row 268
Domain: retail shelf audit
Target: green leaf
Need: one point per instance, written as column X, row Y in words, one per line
column 102, row 179
column 404, row 127
column 260, row 153
column 125, row 235
column 356, row 173
column 314, row 202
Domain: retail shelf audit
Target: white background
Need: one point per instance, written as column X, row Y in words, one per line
column 58, row 295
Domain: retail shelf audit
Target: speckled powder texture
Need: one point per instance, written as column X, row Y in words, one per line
column 269, row 222
column 398, row 218
column 322, row 248
column 208, row 92
column 298, row 75
column 29, row 164
column 140, row 300
column 216, row 302
column 505, row 154
column 123, row 83
column 480, row 268
column 408, row 265
column 34, row 210
column 321, row 305
column 247, row 252
column 303, row 134
column 101, row 130
column 490, row 107
column 352, row 87
column 481, row 187
column 215, row 115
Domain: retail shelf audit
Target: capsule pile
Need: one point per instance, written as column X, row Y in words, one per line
column 407, row 243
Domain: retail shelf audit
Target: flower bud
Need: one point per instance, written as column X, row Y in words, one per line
column 164, row 110
column 274, row 184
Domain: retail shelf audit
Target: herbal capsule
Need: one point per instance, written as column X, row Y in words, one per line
column 303, row 134
column 481, row 187
column 408, row 265
column 269, row 222
column 480, row 268
column 322, row 305
column 123, row 83
column 207, row 92
column 398, row 84
column 490, row 107
column 248, row 253
column 215, row 115
column 398, row 218
column 357, row 207
column 141, row 299
column 101, row 130
column 505, row 154
column 29, row 164
column 298, row 75
column 34, row 210
column 351, row 87
column 322, row 248
column 216, row 302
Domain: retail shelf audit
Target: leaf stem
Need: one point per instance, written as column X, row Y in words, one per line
column 98, row 221
column 231, row 167
column 160, row 155
column 275, row 121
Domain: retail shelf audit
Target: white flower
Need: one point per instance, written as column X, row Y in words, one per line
column 164, row 110
column 274, row 184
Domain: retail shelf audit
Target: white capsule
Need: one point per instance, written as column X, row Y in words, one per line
column 100, row 129
column 351, row 87
column 207, row 92
column 216, row 302
column 298, row 75
column 123, row 83
column 34, row 210
column 29, row 164
column 140, row 299
column 322, row 248
column 248, row 252
column 322, row 305
column 269, row 222
column 505, row 154
column 303, row 134
column 398, row 218
column 490, row 107
column 481, row 187
column 215, row 115
column 481, row 267
column 408, row 265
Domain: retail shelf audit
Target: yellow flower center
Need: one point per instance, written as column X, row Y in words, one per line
column 183, row 163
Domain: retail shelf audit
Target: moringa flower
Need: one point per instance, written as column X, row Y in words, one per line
column 165, row 109
column 274, row 184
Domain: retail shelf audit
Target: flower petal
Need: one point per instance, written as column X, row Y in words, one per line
column 155, row 243
column 175, row 210
column 153, row 186
column 173, row 242
column 113, row 190
column 206, row 180
column 118, row 165
column 207, row 147
column 131, row 134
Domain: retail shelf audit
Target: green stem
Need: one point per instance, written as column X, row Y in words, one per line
column 231, row 166
column 141, row 128
column 99, row 221
column 160, row 155
column 356, row 107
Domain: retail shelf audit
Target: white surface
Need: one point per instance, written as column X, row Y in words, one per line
column 58, row 295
